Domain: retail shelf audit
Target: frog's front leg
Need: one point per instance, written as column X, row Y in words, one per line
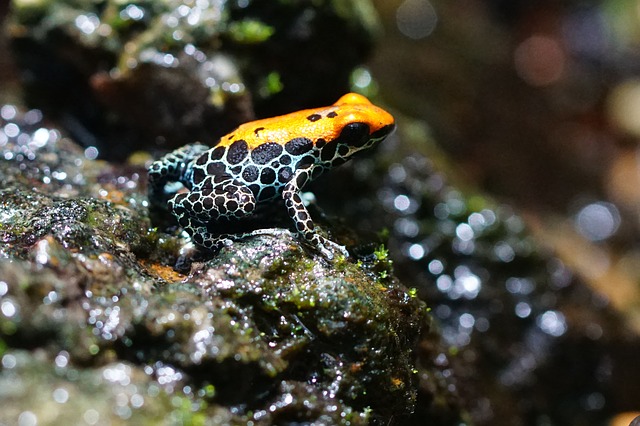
column 216, row 198
column 301, row 217
column 171, row 168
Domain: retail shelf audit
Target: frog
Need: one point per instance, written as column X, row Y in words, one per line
column 260, row 162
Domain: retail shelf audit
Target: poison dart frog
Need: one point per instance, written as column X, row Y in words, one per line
column 261, row 161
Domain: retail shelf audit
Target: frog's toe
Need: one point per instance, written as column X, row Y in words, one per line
column 331, row 250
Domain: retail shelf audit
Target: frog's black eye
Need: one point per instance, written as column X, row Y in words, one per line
column 355, row 134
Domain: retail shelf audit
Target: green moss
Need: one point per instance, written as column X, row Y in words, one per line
column 271, row 84
column 250, row 31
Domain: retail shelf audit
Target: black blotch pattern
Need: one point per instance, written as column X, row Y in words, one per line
column 298, row 146
column 202, row 159
column 328, row 152
column 285, row 160
column 314, row 117
column 284, row 174
column 343, row 150
column 301, row 180
column 267, row 176
column 320, row 143
column 316, row 172
column 236, row 170
column 332, row 114
column 257, row 130
column 198, row 175
column 266, row 152
column 237, row 151
column 217, row 153
column 304, row 162
column 220, row 177
column 215, row 168
column 250, row 173
column 255, row 188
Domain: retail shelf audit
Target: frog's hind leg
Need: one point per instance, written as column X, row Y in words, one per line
column 171, row 168
column 215, row 200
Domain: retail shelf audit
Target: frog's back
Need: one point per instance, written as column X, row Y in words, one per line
column 320, row 125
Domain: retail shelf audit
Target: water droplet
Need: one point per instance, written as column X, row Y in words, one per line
column 137, row 401
column 523, row 310
column 8, row 112
column 598, row 221
column 522, row 286
column 60, row 395
column 464, row 232
column 87, row 23
column 504, row 251
column 401, row 203
column 416, row 18
column 62, row 359
column 444, row 283
column 8, row 308
column 467, row 320
column 416, row 251
column 9, row 361
column 435, row 267
column 11, row 130
column 552, row 323
column 27, row 418
column 91, row 153
column 91, row 416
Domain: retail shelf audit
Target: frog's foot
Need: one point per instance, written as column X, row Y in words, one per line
column 327, row 248
column 276, row 232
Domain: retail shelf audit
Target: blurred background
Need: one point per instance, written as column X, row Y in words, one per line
column 537, row 103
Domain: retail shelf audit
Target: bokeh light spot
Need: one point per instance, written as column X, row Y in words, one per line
column 597, row 221
column 539, row 60
column 416, row 18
